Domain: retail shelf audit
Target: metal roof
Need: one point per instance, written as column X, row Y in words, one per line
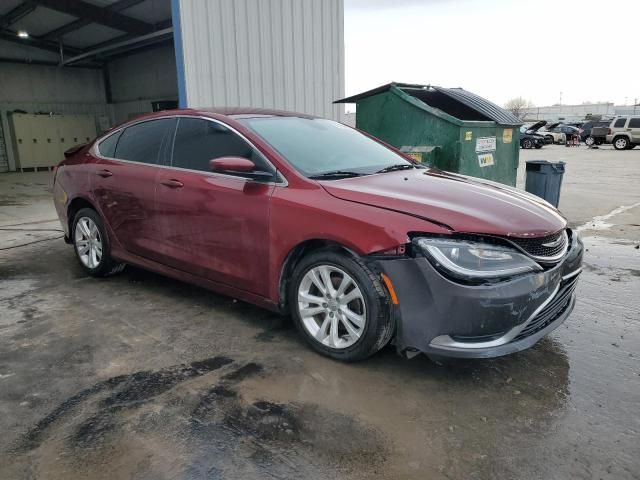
column 481, row 105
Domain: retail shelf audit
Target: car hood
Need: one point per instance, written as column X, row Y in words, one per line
column 536, row 126
column 457, row 202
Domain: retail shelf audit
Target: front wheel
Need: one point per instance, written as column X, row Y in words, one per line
column 91, row 244
column 340, row 306
column 621, row 143
column 589, row 141
column 526, row 143
column 549, row 139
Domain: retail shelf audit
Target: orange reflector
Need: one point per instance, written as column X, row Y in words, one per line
column 389, row 285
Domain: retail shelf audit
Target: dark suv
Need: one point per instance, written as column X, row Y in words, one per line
column 591, row 137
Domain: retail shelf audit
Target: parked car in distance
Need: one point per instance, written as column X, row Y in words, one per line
column 624, row 132
column 594, row 132
column 568, row 130
column 530, row 139
column 551, row 135
column 298, row 214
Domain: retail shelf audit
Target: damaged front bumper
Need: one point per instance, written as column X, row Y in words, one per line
column 444, row 318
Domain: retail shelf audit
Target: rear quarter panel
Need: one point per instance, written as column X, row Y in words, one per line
column 72, row 180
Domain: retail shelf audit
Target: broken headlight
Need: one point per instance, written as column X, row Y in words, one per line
column 470, row 260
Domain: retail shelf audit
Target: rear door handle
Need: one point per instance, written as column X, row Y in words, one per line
column 104, row 173
column 172, row 183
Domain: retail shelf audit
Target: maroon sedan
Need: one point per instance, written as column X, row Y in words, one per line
column 304, row 215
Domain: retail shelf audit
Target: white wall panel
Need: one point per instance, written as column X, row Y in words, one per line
column 284, row 54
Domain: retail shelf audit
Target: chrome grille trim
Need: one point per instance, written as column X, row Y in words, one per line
column 556, row 253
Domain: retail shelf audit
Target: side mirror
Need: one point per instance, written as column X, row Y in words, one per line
column 232, row 165
column 242, row 167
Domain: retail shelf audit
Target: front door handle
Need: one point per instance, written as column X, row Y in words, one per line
column 104, row 173
column 172, row 183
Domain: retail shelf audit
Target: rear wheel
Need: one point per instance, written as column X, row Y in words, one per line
column 549, row 139
column 589, row 141
column 527, row 143
column 339, row 306
column 91, row 244
column 621, row 143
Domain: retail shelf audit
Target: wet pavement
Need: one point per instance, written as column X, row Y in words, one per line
column 140, row 376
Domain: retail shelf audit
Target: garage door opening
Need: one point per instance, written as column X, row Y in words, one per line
column 71, row 70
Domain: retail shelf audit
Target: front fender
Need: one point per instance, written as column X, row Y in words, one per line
column 316, row 215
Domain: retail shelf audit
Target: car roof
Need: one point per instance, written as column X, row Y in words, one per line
column 249, row 112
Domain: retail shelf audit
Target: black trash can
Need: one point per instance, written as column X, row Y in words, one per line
column 544, row 179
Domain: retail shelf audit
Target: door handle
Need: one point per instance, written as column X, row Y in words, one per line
column 172, row 183
column 104, row 173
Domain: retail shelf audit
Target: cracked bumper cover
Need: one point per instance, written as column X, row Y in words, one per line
column 440, row 317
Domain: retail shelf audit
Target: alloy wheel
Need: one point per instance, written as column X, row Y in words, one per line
column 621, row 143
column 88, row 242
column 332, row 306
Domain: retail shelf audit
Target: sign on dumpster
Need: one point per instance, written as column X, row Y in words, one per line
column 485, row 144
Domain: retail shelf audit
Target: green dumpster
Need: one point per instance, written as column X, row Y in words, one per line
column 448, row 128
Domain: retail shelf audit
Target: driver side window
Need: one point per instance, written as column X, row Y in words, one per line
column 198, row 141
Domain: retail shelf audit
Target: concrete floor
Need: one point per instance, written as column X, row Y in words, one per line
column 139, row 376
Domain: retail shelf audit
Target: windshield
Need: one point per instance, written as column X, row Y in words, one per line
column 315, row 146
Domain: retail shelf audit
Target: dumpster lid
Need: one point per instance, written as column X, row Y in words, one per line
column 457, row 102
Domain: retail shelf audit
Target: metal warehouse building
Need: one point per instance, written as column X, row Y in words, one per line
column 70, row 70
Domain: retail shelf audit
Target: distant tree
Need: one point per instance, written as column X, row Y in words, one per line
column 518, row 105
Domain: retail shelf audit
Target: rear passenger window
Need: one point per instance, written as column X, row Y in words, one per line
column 198, row 141
column 144, row 142
column 634, row 123
column 107, row 147
column 620, row 123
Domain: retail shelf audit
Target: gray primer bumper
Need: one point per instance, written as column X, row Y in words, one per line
column 440, row 317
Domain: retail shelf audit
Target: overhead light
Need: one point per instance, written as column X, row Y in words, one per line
column 23, row 34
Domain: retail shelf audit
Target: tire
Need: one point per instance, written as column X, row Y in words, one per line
column 549, row 139
column 589, row 141
column 370, row 305
column 526, row 143
column 621, row 143
column 91, row 244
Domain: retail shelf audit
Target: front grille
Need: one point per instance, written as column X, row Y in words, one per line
column 552, row 311
column 536, row 246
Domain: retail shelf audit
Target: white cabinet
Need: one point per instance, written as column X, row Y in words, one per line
column 41, row 140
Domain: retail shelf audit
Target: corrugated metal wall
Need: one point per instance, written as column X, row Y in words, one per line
column 285, row 54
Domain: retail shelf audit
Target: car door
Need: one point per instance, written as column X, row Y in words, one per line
column 214, row 225
column 633, row 127
column 124, row 183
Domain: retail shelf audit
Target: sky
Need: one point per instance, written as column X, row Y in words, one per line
column 547, row 51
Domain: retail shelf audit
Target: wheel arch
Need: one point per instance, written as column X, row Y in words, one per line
column 296, row 254
column 75, row 205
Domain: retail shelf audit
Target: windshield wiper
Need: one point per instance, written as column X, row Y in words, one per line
column 336, row 174
column 398, row 166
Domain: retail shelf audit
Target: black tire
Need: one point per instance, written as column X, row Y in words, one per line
column 549, row 139
column 526, row 143
column 379, row 326
column 621, row 143
column 107, row 265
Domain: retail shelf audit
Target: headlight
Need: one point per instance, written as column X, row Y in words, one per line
column 469, row 260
